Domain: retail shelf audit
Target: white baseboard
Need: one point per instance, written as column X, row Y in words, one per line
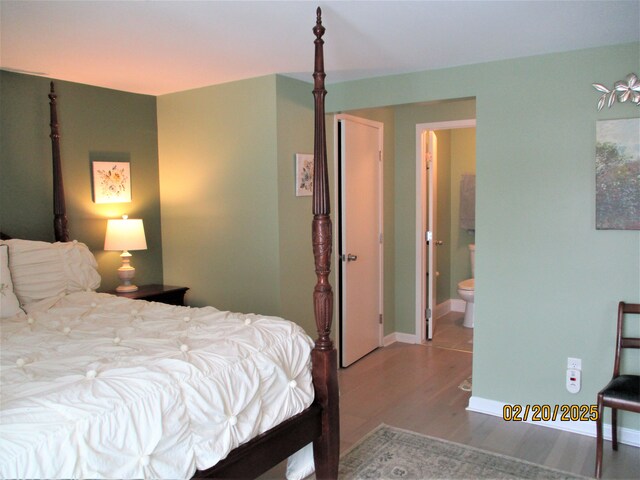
column 627, row 436
column 458, row 305
column 398, row 337
column 451, row 305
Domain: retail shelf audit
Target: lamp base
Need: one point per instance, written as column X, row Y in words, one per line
column 126, row 288
column 126, row 272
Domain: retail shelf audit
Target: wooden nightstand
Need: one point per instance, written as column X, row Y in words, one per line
column 156, row 293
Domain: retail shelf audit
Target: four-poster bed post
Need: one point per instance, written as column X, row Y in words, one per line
column 324, row 355
column 59, row 207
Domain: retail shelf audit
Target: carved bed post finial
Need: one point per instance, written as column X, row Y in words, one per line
column 59, row 207
column 326, row 449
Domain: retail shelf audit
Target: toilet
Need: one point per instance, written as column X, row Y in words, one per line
column 466, row 290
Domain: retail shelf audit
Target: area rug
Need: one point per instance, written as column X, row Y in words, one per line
column 392, row 453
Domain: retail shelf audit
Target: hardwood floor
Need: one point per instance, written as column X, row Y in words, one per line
column 448, row 332
column 416, row 387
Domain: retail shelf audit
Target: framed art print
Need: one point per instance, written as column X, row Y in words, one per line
column 618, row 174
column 111, row 182
column 304, row 174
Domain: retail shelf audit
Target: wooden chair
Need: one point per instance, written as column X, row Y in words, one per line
column 623, row 391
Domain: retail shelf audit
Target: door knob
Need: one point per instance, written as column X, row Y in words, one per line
column 439, row 242
column 351, row 258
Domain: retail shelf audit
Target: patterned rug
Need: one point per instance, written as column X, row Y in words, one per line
column 392, row 453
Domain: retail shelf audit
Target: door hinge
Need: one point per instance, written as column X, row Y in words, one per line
column 427, row 313
column 380, row 319
column 429, row 164
column 380, row 238
column 380, row 155
column 428, row 236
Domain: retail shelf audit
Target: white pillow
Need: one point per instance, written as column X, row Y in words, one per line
column 41, row 270
column 9, row 305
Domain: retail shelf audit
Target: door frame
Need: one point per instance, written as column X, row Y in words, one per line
column 338, row 223
column 421, row 220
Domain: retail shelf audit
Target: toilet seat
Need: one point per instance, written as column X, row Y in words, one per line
column 468, row 284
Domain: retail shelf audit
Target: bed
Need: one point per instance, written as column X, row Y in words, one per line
column 95, row 385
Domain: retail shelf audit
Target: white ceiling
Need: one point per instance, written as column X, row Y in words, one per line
column 158, row 47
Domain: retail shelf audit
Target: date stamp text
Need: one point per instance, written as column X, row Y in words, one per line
column 550, row 413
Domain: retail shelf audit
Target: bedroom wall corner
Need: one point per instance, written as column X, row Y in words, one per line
column 218, row 187
column 94, row 122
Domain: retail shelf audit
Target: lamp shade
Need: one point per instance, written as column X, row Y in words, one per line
column 125, row 234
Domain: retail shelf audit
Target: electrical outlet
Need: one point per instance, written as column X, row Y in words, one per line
column 574, row 363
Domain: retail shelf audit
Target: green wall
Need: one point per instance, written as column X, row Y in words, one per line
column 547, row 282
column 294, row 119
column 219, row 193
column 95, row 123
column 233, row 229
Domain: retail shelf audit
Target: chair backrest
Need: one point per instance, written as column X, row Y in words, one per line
column 624, row 342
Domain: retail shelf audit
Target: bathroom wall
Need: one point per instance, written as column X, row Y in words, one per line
column 456, row 156
column 463, row 161
column 443, row 217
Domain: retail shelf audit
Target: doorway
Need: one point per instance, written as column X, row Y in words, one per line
column 428, row 241
column 360, row 237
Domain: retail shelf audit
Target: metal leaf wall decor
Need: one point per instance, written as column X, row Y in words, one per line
column 623, row 90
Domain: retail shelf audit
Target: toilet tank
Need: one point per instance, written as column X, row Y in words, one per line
column 472, row 254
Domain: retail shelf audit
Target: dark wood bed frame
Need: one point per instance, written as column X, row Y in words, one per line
column 320, row 422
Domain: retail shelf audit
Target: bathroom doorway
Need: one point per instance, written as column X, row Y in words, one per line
column 445, row 163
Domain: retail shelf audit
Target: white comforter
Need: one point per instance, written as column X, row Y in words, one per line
column 99, row 386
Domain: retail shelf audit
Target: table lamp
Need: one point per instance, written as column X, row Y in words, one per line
column 126, row 234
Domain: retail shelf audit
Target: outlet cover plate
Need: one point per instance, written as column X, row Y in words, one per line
column 574, row 363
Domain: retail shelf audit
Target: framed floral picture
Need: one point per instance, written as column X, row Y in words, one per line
column 304, row 174
column 111, row 182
